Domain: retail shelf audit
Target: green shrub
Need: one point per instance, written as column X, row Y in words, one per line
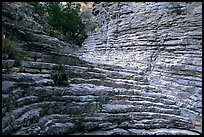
column 81, row 37
column 97, row 28
column 39, row 8
column 61, row 76
column 64, row 19
column 9, row 47
column 177, row 9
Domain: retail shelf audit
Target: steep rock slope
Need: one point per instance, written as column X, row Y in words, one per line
column 160, row 41
column 97, row 97
column 41, row 57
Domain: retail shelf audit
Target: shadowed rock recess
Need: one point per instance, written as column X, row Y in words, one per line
column 139, row 74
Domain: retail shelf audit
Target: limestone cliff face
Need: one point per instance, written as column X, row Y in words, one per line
column 160, row 41
column 140, row 74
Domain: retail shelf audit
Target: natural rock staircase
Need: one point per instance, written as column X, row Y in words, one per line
column 96, row 99
column 100, row 99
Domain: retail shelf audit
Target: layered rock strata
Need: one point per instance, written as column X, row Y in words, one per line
column 133, row 79
column 160, row 41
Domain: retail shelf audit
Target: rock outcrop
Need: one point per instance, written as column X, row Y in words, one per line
column 140, row 74
column 160, row 41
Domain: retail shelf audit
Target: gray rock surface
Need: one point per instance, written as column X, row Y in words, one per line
column 161, row 41
column 140, row 74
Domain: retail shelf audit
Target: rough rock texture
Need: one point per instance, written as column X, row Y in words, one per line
column 162, row 42
column 140, row 74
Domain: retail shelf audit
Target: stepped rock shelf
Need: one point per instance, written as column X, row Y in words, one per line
column 139, row 74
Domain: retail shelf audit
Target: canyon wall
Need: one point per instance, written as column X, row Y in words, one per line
column 139, row 74
column 161, row 41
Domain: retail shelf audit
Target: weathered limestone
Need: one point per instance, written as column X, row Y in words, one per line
column 140, row 74
column 162, row 41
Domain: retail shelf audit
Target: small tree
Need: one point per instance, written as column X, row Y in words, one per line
column 66, row 19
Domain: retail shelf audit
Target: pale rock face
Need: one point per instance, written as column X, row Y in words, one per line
column 163, row 41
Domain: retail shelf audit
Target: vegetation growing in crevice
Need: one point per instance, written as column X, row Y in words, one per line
column 79, row 122
column 61, row 76
column 177, row 9
column 9, row 47
column 96, row 28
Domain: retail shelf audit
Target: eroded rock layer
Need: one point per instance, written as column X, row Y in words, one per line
column 160, row 41
column 140, row 74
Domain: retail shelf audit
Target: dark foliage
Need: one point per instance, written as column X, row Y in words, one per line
column 63, row 18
